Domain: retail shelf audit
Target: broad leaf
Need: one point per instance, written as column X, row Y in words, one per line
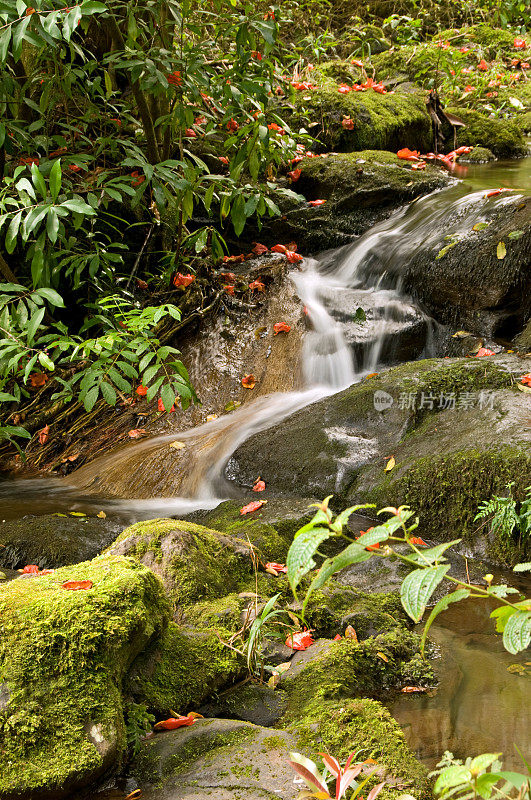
column 418, row 587
column 300, row 554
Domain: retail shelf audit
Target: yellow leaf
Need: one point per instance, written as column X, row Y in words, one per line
column 178, row 445
column 390, row 464
column 77, row 514
column 501, row 250
column 350, row 633
column 195, row 715
column 382, row 656
column 101, row 515
column 211, row 417
column 461, row 334
column 524, row 388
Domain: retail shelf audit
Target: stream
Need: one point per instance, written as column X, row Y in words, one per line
column 479, row 705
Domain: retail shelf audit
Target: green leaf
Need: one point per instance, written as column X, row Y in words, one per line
column 418, row 587
column 51, row 296
column 442, row 605
column 46, row 361
column 79, row 206
column 91, row 7
column 33, row 325
column 237, row 215
column 432, row 554
column 480, row 226
column 38, row 181
column 108, row 393
column 5, row 38
column 52, row 225
column 517, row 632
column 483, row 762
column 524, row 567
column 19, row 34
column 55, row 179
column 301, row 552
column 168, row 396
column 12, row 232
column 90, row 398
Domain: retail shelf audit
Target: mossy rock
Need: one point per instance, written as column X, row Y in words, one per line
column 502, row 136
column 523, row 340
column 63, row 657
column 524, row 122
column 219, row 759
column 479, row 155
column 193, row 562
column 184, row 668
column 53, row 540
column 381, row 121
column 365, row 725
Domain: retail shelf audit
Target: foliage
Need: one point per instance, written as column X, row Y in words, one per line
column 431, row 568
column 139, row 722
column 345, row 777
column 478, row 777
column 505, row 518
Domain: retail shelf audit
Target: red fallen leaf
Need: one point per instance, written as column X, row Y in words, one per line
column 408, row 155
column 299, row 641
column 409, row 689
column 234, row 259
column 484, row 351
column 142, row 284
column 292, row 246
column 248, row 382
column 252, row 506
column 419, row 165
column 223, row 159
column 357, row 63
column 230, row 277
column 76, row 585
column 337, row 637
column 257, row 286
column 279, row 248
column 275, row 566
column 469, row 88
column 228, row 289
column 142, row 390
column 232, row 125
column 293, row 258
column 463, row 150
column 491, row 94
column 519, row 44
column 483, row 66
column 294, row 175
column 173, row 723
column 256, row 55
column 347, row 123
column 190, row 133
column 379, row 88
column 30, row 569
column 183, row 280
column 160, row 406
column 259, row 485
column 38, row 379
column 281, row 327
column 526, row 379
column 418, row 540
column 316, row 202
column 137, row 433
column 44, row 434
column 274, row 127
column 344, row 88
column 46, row 572
column 138, row 179
column 260, row 249
column 495, row 192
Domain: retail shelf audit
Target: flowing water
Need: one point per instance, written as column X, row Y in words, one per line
column 338, row 350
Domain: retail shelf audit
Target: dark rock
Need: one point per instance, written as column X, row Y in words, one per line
column 252, row 702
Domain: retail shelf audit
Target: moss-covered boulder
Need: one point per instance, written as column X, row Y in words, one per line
column 503, row 137
column 360, row 188
column 54, row 540
column 217, row 758
column 427, row 414
column 193, row 562
column 380, row 121
column 63, row 658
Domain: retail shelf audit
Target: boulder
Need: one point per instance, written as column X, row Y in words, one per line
column 225, row 759
column 341, row 444
column 63, row 657
column 54, row 540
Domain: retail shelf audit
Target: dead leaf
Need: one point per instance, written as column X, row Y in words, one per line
column 382, row 656
column 253, row 506
column 101, row 515
column 248, row 382
column 501, row 250
column 211, row 417
column 390, row 464
column 350, row 633
column 461, row 334
column 44, row 434
column 178, row 445
column 259, row 485
column 523, row 388
column 411, row 689
column 137, row 433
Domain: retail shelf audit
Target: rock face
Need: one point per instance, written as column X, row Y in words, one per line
column 468, row 285
column 63, row 656
column 340, row 445
column 218, row 758
column 53, row 541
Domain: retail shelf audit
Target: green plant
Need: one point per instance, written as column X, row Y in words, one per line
column 345, row 777
column 506, row 515
column 431, row 568
column 266, row 623
column 477, row 777
column 138, row 723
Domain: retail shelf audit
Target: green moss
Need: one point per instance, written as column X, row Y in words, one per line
column 63, row 656
column 184, row 668
column 501, row 136
column 329, row 611
column 524, row 122
column 361, row 726
column 381, row 122
column 194, row 562
column 479, row 155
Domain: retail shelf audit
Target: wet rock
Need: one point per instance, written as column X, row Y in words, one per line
column 225, row 759
column 523, row 340
column 54, row 540
column 63, row 656
column 340, row 445
column 252, row 702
